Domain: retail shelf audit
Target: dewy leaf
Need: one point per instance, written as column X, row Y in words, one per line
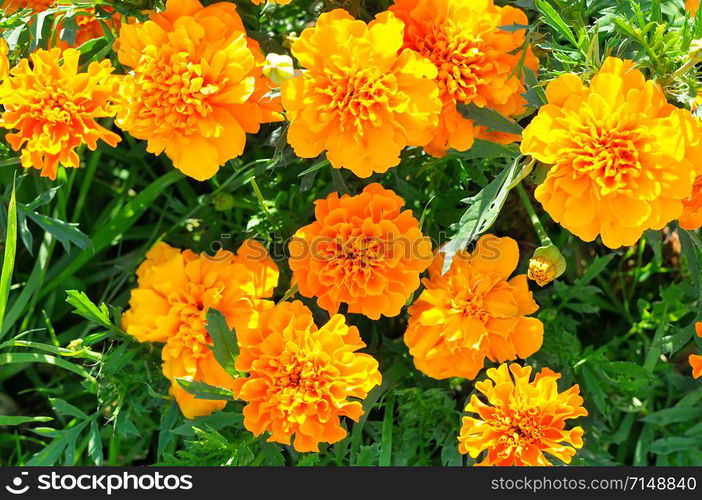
column 482, row 212
column 489, row 118
column 201, row 390
column 225, row 346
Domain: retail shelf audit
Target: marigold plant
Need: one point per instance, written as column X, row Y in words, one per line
column 175, row 289
column 54, row 108
column 618, row 164
column 479, row 62
column 363, row 109
column 362, row 250
column 473, row 312
column 302, row 379
column 519, row 421
column 196, row 86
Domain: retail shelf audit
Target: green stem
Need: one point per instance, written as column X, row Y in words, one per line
column 538, row 227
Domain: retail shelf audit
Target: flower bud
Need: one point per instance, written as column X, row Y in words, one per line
column 278, row 68
column 546, row 265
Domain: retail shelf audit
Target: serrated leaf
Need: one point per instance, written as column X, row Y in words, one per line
column 489, row 118
column 484, row 209
column 86, row 308
column 201, row 390
column 225, row 347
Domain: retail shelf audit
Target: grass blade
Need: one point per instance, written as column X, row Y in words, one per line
column 8, row 261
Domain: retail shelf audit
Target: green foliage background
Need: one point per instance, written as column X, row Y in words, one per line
column 76, row 390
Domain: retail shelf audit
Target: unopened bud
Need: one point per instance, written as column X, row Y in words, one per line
column 278, row 68
column 546, row 265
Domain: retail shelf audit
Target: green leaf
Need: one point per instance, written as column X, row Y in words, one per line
column 487, row 150
column 487, row 117
column 66, row 233
column 201, row 390
column 31, row 357
column 95, row 444
column 66, row 409
column 674, row 415
column 553, row 19
column 86, row 308
column 225, row 346
column 8, row 261
column 667, row 445
column 65, row 443
column 482, row 212
column 19, row 420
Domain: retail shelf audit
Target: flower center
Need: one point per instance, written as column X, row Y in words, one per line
column 609, row 157
column 357, row 98
column 518, row 428
column 541, row 270
column 56, row 107
column 178, row 96
column 469, row 303
column 459, row 59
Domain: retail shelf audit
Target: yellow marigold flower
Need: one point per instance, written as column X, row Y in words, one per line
column 361, row 250
column 361, row 102
column 176, row 289
column 691, row 6
column 473, row 312
column 54, row 108
column 546, row 265
column 619, row 154
column 476, row 58
column 696, row 360
column 196, row 86
column 521, row 420
column 4, row 59
column 302, row 379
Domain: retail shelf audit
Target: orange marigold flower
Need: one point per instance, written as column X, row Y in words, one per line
column 473, row 312
column 361, row 250
column 696, row 360
column 302, row 379
column 176, row 289
column 692, row 6
column 521, row 420
column 620, row 163
column 280, row 2
column 55, row 106
column 11, row 6
column 196, row 86
column 691, row 217
column 476, row 58
column 361, row 102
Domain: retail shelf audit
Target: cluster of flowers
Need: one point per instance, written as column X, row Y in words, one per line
column 621, row 161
